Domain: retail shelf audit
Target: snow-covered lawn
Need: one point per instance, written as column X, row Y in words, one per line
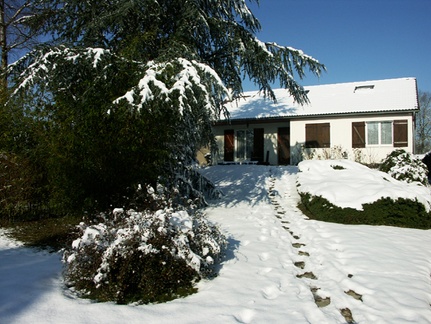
column 345, row 183
column 277, row 265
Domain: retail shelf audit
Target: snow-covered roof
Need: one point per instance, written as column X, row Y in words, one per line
column 389, row 95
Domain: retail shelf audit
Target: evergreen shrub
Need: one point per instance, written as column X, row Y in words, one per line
column 21, row 189
column 405, row 167
column 385, row 211
column 150, row 256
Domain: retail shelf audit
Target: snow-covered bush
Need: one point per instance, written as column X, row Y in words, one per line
column 405, row 167
column 347, row 192
column 149, row 256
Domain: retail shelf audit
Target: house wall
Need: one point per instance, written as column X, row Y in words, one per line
column 340, row 137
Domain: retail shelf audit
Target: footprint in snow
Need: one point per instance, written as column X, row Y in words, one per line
column 264, row 256
column 320, row 301
column 298, row 245
column 245, row 316
column 271, row 292
column 300, row 264
column 308, row 275
column 354, row 294
column 347, row 314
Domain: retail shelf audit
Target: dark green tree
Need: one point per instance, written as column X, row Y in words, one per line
column 131, row 92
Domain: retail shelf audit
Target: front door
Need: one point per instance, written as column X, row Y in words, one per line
column 283, row 141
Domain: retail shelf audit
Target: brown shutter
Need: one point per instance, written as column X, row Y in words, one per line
column 325, row 135
column 311, row 136
column 258, row 145
column 400, row 133
column 358, row 134
column 229, row 146
column 317, row 135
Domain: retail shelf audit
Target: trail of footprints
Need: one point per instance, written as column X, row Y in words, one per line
column 320, row 302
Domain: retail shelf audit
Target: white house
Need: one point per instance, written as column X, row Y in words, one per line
column 363, row 120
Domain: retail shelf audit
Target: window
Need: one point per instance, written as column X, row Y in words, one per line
column 317, row 135
column 244, row 140
column 363, row 88
column 386, row 133
column 379, row 133
column 373, row 133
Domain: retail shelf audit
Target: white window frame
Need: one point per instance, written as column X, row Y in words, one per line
column 379, row 132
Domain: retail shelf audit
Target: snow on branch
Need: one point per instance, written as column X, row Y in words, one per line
column 40, row 65
column 269, row 62
column 300, row 60
column 176, row 80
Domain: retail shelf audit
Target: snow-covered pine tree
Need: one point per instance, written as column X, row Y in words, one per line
column 145, row 78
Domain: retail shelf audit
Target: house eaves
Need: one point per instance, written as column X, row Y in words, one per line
column 274, row 119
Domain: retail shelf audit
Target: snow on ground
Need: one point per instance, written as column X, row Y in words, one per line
column 345, row 183
column 277, row 265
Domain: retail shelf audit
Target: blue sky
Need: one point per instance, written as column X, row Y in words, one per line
column 357, row 40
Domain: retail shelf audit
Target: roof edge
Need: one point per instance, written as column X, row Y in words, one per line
column 288, row 117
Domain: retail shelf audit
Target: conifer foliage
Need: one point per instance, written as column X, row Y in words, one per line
column 128, row 89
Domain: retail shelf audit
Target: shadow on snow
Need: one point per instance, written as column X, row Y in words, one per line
column 244, row 183
column 26, row 275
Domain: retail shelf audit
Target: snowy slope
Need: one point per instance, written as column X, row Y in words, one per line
column 355, row 184
column 261, row 280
